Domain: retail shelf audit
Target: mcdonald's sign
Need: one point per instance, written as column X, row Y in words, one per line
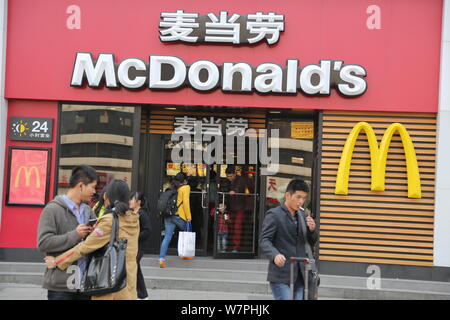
column 27, row 171
column 378, row 157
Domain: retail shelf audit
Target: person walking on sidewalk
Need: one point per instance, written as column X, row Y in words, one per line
column 282, row 237
column 117, row 196
column 139, row 204
column 62, row 225
column 182, row 216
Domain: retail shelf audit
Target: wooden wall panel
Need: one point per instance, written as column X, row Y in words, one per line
column 377, row 226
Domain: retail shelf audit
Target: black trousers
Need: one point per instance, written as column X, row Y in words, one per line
column 141, row 289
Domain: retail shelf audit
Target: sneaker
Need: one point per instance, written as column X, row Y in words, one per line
column 162, row 264
column 187, row 258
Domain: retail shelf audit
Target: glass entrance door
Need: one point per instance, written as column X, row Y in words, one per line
column 234, row 189
column 198, row 180
column 223, row 203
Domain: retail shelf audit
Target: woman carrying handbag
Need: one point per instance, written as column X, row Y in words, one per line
column 183, row 215
column 116, row 199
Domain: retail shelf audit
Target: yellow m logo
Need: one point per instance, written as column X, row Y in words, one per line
column 378, row 158
column 28, row 172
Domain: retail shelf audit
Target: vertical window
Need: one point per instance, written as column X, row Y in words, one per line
column 295, row 157
column 99, row 136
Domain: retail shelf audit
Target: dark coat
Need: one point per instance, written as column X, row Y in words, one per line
column 237, row 202
column 145, row 227
column 280, row 234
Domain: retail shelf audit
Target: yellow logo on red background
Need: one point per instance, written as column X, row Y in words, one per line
column 27, row 171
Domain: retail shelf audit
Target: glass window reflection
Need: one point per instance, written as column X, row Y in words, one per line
column 99, row 136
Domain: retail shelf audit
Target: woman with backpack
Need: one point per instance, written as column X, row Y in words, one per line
column 183, row 214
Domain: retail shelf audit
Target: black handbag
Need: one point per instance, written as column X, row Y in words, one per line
column 106, row 269
column 313, row 274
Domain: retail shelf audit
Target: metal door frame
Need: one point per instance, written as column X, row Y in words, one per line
column 239, row 255
column 203, row 251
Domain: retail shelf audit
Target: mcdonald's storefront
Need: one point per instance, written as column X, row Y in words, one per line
column 345, row 95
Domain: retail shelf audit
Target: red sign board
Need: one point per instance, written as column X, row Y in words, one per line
column 396, row 43
column 28, row 176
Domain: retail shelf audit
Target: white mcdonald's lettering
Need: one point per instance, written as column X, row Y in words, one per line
column 378, row 157
column 27, row 172
column 171, row 73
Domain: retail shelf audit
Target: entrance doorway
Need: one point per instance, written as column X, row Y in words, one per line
column 223, row 202
column 210, row 187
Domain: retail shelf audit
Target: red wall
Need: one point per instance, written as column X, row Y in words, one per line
column 401, row 59
column 19, row 224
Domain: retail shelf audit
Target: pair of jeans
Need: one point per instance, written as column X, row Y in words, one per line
column 222, row 240
column 282, row 291
column 61, row 295
column 170, row 223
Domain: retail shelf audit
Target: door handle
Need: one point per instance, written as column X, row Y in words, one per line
column 223, row 197
column 203, row 200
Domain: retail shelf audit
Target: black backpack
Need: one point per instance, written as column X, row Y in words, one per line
column 167, row 203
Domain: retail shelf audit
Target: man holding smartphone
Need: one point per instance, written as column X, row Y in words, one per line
column 64, row 222
column 92, row 222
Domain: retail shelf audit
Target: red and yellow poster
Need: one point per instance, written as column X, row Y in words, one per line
column 28, row 176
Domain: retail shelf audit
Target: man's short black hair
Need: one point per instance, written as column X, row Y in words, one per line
column 83, row 173
column 297, row 184
column 230, row 170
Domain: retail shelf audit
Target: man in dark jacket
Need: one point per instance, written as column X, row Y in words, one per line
column 236, row 190
column 62, row 225
column 282, row 237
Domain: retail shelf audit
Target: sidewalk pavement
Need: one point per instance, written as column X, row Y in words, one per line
column 10, row 291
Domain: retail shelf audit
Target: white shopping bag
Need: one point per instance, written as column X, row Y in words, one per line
column 186, row 243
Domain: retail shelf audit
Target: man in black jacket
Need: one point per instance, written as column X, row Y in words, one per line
column 282, row 237
column 236, row 190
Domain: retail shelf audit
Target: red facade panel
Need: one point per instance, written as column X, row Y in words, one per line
column 401, row 57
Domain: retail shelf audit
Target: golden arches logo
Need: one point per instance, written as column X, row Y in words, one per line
column 378, row 157
column 28, row 172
